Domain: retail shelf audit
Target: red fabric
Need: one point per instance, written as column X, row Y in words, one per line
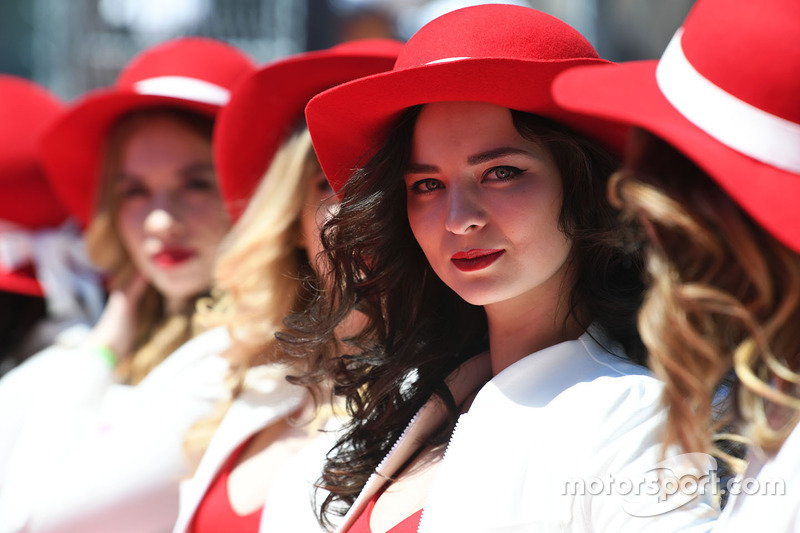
column 749, row 49
column 408, row 525
column 215, row 514
column 72, row 149
column 27, row 199
column 500, row 54
column 273, row 99
column 765, row 76
column 26, row 111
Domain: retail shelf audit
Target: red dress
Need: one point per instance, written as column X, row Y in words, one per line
column 408, row 525
column 215, row 514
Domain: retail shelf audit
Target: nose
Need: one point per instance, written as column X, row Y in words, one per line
column 163, row 219
column 465, row 210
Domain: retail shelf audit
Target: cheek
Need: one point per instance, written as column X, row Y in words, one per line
column 130, row 225
column 421, row 220
column 210, row 219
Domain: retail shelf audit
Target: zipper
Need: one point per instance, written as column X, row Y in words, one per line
column 441, row 465
column 378, row 473
column 400, row 440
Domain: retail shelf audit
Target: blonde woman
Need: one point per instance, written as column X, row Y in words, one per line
column 259, row 469
column 102, row 448
column 711, row 183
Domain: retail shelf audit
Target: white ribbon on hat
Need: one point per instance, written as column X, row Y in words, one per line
column 70, row 283
column 185, row 88
column 733, row 122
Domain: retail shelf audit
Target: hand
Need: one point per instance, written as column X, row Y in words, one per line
column 116, row 327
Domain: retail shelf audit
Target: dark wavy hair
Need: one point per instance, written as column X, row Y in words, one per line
column 417, row 329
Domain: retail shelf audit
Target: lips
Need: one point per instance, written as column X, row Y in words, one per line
column 475, row 259
column 170, row 257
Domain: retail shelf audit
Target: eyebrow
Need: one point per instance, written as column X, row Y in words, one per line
column 198, row 167
column 483, row 157
column 188, row 169
column 476, row 159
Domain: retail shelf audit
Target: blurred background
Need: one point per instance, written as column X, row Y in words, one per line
column 71, row 46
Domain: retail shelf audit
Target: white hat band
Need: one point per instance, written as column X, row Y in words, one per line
column 733, row 122
column 184, row 88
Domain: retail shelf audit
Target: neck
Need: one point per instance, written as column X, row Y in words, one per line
column 522, row 326
column 174, row 306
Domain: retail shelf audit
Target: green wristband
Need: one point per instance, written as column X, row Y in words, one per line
column 107, row 355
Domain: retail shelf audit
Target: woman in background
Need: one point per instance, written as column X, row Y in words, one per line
column 710, row 183
column 134, row 162
column 49, row 292
column 260, row 467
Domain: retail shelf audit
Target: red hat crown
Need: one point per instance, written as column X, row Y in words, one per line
column 494, row 31
column 191, row 73
column 725, row 94
column 501, row 54
column 733, row 70
column 267, row 105
column 191, row 68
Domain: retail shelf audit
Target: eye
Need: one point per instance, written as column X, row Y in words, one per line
column 426, row 186
column 200, row 184
column 132, row 190
column 503, row 173
column 323, row 185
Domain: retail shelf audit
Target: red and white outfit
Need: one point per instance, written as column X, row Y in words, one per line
column 571, row 411
column 287, row 506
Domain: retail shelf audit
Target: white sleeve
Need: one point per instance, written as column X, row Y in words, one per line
column 118, row 467
column 631, row 488
column 52, row 373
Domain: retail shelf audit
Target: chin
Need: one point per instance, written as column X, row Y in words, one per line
column 179, row 291
column 477, row 297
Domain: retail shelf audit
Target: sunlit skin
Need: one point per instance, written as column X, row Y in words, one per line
column 476, row 186
column 483, row 203
column 318, row 204
column 171, row 216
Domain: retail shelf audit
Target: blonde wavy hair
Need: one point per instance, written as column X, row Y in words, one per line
column 262, row 274
column 724, row 294
column 157, row 335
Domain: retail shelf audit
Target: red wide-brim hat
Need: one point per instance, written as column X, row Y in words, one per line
column 268, row 105
column 27, row 203
column 500, row 54
column 726, row 93
column 193, row 73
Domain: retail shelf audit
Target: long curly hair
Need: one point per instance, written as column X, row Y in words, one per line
column 724, row 294
column 417, row 329
column 157, row 335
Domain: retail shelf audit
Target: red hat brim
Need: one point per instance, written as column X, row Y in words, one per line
column 349, row 122
column 627, row 94
column 268, row 105
column 72, row 149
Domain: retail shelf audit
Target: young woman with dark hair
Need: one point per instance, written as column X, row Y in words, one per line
column 475, row 218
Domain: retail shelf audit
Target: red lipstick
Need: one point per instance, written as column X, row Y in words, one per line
column 171, row 257
column 475, row 259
